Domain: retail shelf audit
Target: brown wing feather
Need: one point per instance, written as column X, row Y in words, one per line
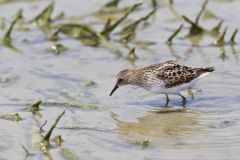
column 177, row 74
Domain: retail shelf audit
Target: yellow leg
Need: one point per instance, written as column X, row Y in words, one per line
column 184, row 100
column 189, row 90
column 167, row 99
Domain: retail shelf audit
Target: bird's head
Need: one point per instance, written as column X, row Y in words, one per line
column 123, row 78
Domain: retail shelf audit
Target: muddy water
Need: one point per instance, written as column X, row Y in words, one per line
column 208, row 128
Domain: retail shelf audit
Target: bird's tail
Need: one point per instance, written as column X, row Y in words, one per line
column 205, row 70
column 208, row 69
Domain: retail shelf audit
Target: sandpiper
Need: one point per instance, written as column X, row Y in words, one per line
column 166, row 78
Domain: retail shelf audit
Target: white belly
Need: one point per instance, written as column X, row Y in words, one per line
column 160, row 88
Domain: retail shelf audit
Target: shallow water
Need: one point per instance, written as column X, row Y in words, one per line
column 208, row 128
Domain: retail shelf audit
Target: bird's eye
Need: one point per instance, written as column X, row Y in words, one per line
column 120, row 80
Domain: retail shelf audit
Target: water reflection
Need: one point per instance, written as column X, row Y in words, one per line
column 234, row 52
column 159, row 123
column 195, row 39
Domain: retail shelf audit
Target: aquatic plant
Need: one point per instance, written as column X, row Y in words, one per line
column 34, row 107
column 175, row 33
column 110, row 27
column 11, row 117
column 221, row 40
column 216, row 29
column 45, row 142
column 89, row 83
column 57, row 48
column 232, row 39
column 80, row 105
column 132, row 56
column 6, row 39
column 128, row 32
column 195, row 28
column 43, row 19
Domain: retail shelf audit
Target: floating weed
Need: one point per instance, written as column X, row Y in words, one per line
column 111, row 11
column 6, row 39
column 132, row 56
column 216, row 29
column 84, row 33
column 43, row 19
column 34, row 107
column 45, row 142
column 221, row 40
column 175, row 33
column 58, row 139
column 143, row 143
column 57, row 48
column 87, row 35
column 128, row 32
column 145, row 42
column 5, row 79
column 171, row 2
column 107, row 25
column 76, row 105
column 89, row 83
column 11, row 117
column 69, row 155
column 106, row 32
column 154, row 4
column 195, row 28
column 111, row 4
column 232, row 39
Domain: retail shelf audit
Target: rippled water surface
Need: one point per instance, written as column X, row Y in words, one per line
column 132, row 124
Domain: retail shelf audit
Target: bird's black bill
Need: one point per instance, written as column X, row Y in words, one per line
column 114, row 89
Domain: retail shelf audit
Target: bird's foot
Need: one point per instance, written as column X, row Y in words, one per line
column 184, row 100
column 167, row 100
column 189, row 90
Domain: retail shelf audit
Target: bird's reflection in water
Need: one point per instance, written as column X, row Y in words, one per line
column 160, row 123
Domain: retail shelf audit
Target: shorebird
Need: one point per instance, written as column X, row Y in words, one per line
column 167, row 77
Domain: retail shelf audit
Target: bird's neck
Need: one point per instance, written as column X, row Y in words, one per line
column 136, row 78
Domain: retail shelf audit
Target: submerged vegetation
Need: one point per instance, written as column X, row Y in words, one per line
column 6, row 39
column 11, row 117
column 89, row 36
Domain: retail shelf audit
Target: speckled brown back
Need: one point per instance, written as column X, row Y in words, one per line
column 176, row 74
